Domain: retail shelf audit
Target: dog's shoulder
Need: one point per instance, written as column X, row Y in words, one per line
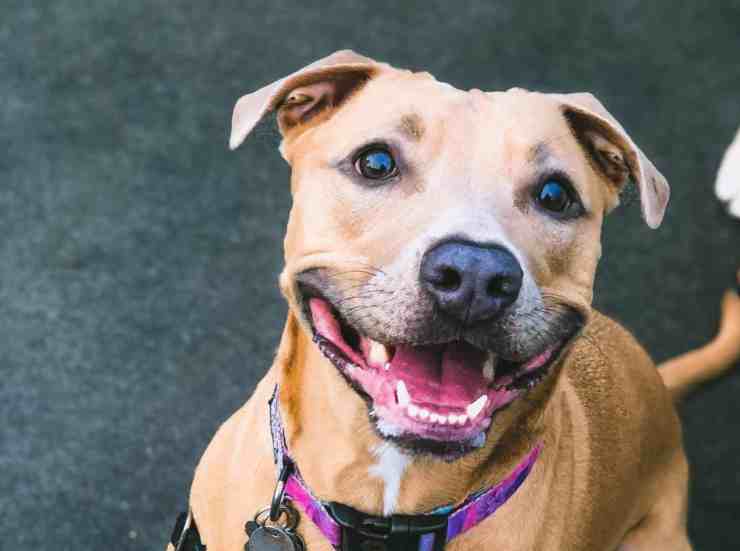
column 616, row 414
column 237, row 467
column 607, row 355
column 606, row 340
column 618, row 382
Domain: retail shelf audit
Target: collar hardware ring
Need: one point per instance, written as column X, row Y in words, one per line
column 288, row 513
column 279, row 494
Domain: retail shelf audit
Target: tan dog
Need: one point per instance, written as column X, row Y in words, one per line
column 442, row 248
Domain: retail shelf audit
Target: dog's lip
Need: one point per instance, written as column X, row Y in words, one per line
column 307, row 292
column 392, row 397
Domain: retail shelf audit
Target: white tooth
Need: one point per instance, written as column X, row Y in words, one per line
column 452, row 419
column 442, row 419
column 423, row 414
column 413, row 411
column 387, row 366
column 402, row 394
column 378, row 354
column 462, row 419
column 489, row 368
column 476, row 407
column 433, row 418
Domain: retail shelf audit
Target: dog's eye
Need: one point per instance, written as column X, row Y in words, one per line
column 376, row 164
column 553, row 196
column 558, row 198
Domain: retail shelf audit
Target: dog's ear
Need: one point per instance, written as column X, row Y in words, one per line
column 304, row 94
column 615, row 154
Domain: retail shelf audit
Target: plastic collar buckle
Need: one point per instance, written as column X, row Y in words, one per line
column 361, row 532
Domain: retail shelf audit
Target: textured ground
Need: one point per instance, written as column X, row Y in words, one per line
column 138, row 302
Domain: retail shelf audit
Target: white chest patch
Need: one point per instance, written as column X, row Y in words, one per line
column 389, row 468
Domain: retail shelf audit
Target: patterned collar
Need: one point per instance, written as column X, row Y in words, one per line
column 348, row 529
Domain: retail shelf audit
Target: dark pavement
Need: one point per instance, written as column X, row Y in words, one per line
column 138, row 296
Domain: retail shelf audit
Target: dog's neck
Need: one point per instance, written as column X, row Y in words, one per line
column 341, row 457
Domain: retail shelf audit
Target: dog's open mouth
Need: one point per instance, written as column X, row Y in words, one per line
column 428, row 396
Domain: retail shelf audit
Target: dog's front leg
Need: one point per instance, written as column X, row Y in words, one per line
column 664, row 527
column 644, row 539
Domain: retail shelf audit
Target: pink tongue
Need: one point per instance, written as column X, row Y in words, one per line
column 437, row 375
column 442, row 375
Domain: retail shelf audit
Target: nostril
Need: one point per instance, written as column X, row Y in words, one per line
column 470, row 282
column 449, row 279
column 502, row 286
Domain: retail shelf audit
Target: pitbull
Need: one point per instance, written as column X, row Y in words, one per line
column 439, row 267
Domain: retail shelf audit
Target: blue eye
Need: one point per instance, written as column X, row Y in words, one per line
column 554, row 196
column 376, row 164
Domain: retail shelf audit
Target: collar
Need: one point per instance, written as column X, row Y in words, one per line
column 346, row 528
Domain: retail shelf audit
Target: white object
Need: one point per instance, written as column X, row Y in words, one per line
column 727, row 185
column 389, row 468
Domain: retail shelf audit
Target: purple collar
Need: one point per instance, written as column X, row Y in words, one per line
column 475, row 509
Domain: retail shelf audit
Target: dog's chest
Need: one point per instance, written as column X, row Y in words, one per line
column 390, row 467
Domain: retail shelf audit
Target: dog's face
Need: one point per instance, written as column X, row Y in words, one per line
column 442, row 244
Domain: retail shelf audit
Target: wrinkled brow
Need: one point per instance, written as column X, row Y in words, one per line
column 539, row 154
column 543, row 159
column 412, row 126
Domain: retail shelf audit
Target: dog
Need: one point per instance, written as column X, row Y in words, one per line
column 439, row 267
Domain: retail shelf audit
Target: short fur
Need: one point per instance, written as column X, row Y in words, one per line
column 613, row 473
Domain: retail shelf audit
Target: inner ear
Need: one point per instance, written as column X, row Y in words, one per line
column 609, row 157
column 304, row 103
column 605, row 148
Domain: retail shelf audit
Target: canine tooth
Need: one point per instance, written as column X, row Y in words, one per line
column 423, row 414
column 462, row 419
column 476, row 407
column 402, row 394
column 378, row 354
column 413, row 411
column 489, row 368
column 433, row 418
column 387, row 366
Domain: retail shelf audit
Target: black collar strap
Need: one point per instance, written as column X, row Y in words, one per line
column 185, row 535
column 393, row 533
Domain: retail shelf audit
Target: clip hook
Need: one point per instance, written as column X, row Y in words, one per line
column 279, row 493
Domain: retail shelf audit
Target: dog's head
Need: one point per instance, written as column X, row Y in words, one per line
column 442, row 244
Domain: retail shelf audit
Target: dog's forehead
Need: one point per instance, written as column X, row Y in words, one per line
column 415, row 107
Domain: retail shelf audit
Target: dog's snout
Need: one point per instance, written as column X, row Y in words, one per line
column 471, row 282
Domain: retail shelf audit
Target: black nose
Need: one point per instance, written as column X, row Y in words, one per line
column 471, row 282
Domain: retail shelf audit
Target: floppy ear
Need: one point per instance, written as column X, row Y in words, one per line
column 615, row 154
column 303, row 94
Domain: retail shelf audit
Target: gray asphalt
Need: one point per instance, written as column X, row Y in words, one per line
column 138, row 297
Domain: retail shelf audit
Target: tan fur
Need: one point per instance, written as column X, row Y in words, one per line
column 684, row 373
column 612, row 471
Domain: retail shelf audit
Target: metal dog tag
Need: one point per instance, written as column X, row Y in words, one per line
column 267, row 538
column 275, row 537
